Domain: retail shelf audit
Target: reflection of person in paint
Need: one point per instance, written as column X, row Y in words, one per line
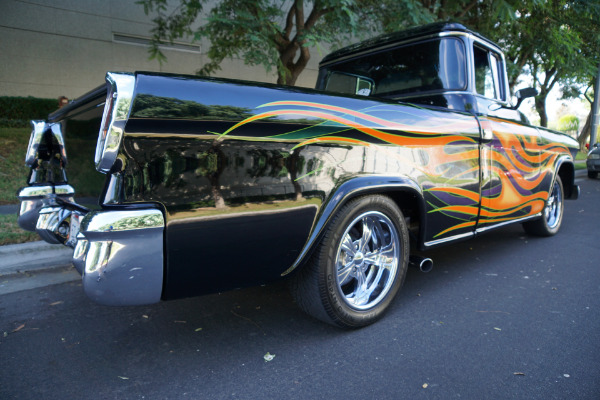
column 62, row 101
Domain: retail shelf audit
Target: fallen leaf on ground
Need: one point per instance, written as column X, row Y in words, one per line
column 123, row 377
column 425, row 385
column 19, row 328
column 498, row 329
column 519, row 373
column 269, row 357
column 56, row 303
column 197, row 329
column 180, row 322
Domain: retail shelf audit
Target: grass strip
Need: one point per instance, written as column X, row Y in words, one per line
column 12, row 233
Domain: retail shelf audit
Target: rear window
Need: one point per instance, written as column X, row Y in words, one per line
column 427, row 66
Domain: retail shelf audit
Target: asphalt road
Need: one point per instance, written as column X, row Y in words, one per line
column 503, row 316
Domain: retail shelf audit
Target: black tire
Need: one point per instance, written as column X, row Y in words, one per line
column 365, row 242
column 592, row 174
column 552, row 216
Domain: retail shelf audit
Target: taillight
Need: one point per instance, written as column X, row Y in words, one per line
column 116, row 111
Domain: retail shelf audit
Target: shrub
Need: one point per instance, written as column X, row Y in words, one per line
column 16, row 112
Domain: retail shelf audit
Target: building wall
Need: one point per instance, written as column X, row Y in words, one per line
column 51, row 48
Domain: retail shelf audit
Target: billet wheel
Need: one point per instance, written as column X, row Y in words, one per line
column 359, row 265
column 552, row 215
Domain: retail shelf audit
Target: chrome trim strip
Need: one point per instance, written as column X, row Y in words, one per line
column 118, row 221
column 448, row 239
column 120, row 255
column 504, row 223
column 34, row 192
column 63, row 190
column 120, row 88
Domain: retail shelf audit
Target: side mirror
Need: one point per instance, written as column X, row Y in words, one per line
column 523, row 94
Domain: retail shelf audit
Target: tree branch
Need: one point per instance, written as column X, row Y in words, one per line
column 299, row 5
column 315, row 15
column 467, row 9
column 289, row 22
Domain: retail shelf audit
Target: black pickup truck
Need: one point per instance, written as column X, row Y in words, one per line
column 409, row 141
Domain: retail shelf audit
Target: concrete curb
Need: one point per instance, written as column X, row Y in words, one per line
column 27, row 257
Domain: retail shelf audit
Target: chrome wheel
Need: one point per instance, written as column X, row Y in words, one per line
column 359, row 265
column 549, row 222
column 366, row 260
column 554, row 207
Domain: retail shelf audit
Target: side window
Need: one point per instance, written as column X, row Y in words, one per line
column 351, row 84
column 484, row 78
column 488, row 74
column 498, row 76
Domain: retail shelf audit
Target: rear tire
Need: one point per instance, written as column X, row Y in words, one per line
column 359, row 265
column 552, row 216
column 592, row 174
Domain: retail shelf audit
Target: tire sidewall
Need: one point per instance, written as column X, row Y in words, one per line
column 342, row 312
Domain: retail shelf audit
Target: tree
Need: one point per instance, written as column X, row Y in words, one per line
column 555, row 42
column 271, row 33
column 568, row 123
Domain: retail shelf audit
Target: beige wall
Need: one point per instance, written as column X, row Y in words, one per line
column 50, row 48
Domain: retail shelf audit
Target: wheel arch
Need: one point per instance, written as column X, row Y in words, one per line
column 566, row 170
column 405, row 192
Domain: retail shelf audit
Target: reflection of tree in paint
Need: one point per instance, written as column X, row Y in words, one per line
column 296, row 165
column 211, row 165
column 128, row 223
column 148, row 106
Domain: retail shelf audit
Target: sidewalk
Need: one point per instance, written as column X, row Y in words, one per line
column 33, row 256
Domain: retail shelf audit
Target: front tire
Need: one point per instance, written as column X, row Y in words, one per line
column 359, row 265
column 552, row 216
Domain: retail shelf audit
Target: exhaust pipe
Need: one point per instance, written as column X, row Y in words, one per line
column 423, row 263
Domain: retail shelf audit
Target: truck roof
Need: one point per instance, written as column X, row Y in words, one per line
column 401, row 36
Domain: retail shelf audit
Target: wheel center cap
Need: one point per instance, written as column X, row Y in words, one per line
column 358, row 258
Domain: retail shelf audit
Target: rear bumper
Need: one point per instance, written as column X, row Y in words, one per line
column 119, row 253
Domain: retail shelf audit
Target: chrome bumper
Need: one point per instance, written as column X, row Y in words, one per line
column 119, row 253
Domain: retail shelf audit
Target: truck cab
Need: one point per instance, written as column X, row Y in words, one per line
column 442, row 65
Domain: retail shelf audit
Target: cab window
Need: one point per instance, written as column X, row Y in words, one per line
column 488, row 74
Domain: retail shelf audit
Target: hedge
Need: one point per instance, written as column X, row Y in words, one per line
column 16, row 112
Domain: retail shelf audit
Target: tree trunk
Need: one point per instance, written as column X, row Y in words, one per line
column 540, row 107
column 585, row 132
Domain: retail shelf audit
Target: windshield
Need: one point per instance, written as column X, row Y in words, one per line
column 427, row 66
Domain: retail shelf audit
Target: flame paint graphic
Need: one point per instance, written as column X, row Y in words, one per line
column 519, row 166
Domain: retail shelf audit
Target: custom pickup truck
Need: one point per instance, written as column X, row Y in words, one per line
column 408, row 142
